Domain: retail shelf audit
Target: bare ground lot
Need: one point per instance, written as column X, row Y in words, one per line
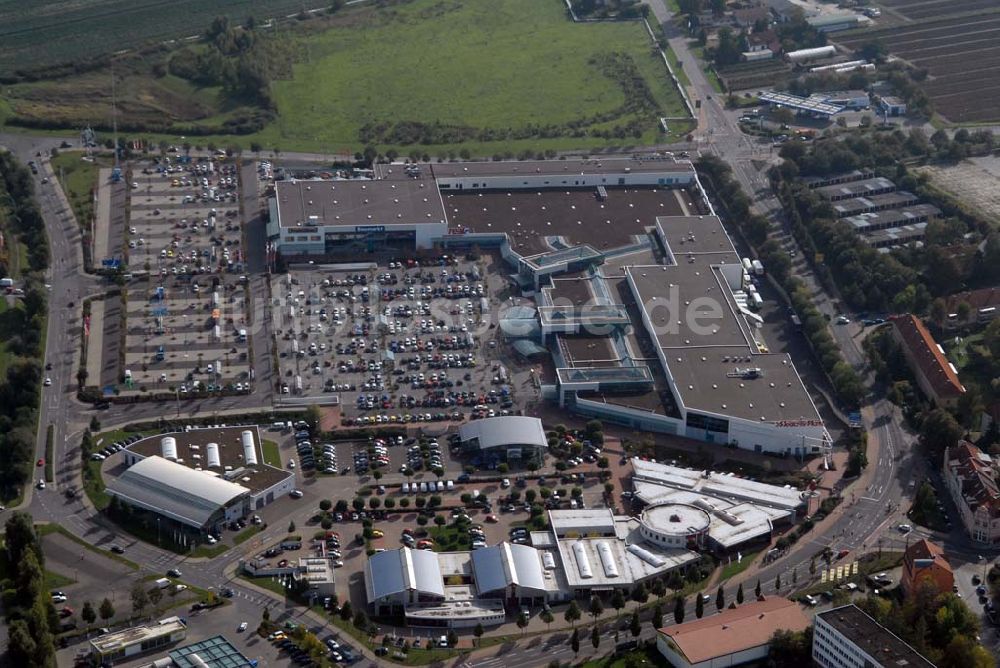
column 961, row 54
column 976, row 181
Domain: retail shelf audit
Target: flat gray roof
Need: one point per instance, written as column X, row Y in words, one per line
column 895, row 235
column 592, row 166
column 358, row 202
column 717, row 485
column 874, row 639
column 896, row 198
column 690, row 280
column 192, row 449
column 694, row 234
column 730, row 381
column 865, row 221
column 856, row 188
column 397, row 571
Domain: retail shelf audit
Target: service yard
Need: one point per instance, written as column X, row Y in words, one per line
column 186, row 307
column 961, row 53
column 398, row 343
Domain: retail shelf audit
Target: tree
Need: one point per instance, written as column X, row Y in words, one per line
column 964, row 652
column 478, row 632
column 140, row 599
column 699, row 605
column 777, row 582
column 739, row 594
column 345, row 611
column 574, row 641
column 325, row 505
column 634, row 625
column 679, row 610
column 291, row 526
column 360, row 620
column 88, row 614
column 595, row 637
column 640, row 594
column 21, row 645
column 795, row 575
column 938, row 431
column 595, row 607
column 720, row 599
column 572, row 614
column 155, row 596
column 314, row 415
column 547, row 618
column 452, row 638
column 812, row 566
column 757, row 589
column 522, row 622
column 617, row 601
column 106, row 611
column 791, row 649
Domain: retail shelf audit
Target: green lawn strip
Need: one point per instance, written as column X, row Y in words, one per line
column 733, row 569
column 209, row 551
column 888, row 561
column 49, row 453
column 78, row 178
column 271, row 454
column 93, row 485
column 46, row 529
column 449, row 538
column 676, row 65
column 246, row 534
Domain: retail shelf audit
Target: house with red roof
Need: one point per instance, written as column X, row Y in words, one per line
column 936, row 376
column 971, row 479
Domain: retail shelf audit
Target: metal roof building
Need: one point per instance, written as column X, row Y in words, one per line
column 403, row 575
column 513, row 432
column 193, row 498
column 508, row 565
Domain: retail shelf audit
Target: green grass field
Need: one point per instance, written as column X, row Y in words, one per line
column 478, row 67
column 78, row 178
column 51, row 32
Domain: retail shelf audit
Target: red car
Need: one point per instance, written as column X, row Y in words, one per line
column 41, row 462
column 66, row 612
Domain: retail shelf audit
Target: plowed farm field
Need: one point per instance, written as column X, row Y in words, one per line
column 960, row 52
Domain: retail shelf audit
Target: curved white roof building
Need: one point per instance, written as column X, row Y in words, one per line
column 195, row 498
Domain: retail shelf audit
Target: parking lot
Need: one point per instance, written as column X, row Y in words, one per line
column 406, row 342
column 186, row 309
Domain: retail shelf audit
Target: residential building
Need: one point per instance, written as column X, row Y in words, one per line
column 936, row 376
column 924, row 562
column 114, row 648
column 984, row 305
column 971, row 479
column 846, row 637
column 733, row 637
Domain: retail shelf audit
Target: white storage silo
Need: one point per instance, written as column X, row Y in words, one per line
column 168, row 448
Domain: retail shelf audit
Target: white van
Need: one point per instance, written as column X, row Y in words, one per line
column 406, row 488
column 450, row 485
column 423, row 487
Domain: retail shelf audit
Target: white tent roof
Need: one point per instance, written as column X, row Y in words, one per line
column 174, row 490
column 396, row 571
column 503, row 431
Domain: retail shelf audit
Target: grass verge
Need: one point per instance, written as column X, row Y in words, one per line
column 93, row 485
column 246, row 535
column 78, row 178
column 50, row 474
column 733, row 569
column 271, row 454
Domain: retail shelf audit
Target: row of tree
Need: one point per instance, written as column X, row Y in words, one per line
column 846, row 383
column 22, row 329
column 31, row 618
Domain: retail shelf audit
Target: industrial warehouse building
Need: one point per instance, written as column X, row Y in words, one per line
column 199, row 479
column 619, row 255
column 515, row 437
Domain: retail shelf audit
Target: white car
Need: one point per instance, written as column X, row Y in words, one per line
column 843, row 320
column 48, row 381
column 338, row 564
column 242, row 627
